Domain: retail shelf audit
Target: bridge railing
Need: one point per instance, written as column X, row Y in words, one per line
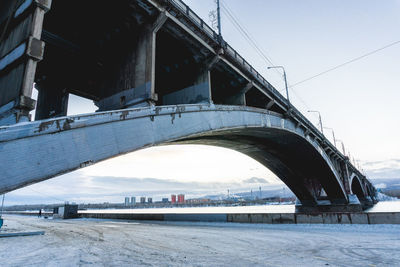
column 185, row 9
column 228, row 49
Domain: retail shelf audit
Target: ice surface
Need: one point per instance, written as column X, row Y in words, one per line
column 95, row 242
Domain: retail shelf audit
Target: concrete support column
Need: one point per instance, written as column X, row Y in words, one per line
column 52, row 101
column 145, row 60
column 203, row 84
column 199, row 92
column 240, row 97
column 140, row 92
column 346, row 179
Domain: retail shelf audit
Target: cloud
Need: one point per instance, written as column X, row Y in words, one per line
column 382, row 169
column 75, row 187
column 381, row 185
column 255, row 180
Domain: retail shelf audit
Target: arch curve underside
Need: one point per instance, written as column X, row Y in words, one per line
column 40, row 150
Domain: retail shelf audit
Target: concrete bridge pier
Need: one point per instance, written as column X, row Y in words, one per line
column 353, row 204
column 52, row 101
column 134, row 84
column 199, row 92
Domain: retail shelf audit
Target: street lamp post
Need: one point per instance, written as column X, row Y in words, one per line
column 358, row 164
column 286, row 85
column 320, row 120
column 344, row 151
column 333, row 133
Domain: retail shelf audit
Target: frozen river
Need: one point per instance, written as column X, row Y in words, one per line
column 84, row 242
column 389, row 206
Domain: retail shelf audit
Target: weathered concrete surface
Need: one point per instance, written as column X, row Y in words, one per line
column 359, row 218
column 265, row 218
column 384, row 218
column 40, row 150
column 309, row 218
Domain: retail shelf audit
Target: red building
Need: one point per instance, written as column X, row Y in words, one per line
column 181, row 198
column 173, row 199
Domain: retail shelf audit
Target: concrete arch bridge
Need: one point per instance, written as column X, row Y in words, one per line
column 36, row 151
column 158, row 74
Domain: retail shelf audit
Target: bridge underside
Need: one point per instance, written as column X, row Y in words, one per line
column 145, row 54
column 40, row 150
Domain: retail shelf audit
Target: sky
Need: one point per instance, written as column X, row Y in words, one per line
column 360, row 101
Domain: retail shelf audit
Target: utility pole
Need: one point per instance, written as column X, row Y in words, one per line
column 320, row 120
column 219, row 20
column 215, row 18
column 286, row 85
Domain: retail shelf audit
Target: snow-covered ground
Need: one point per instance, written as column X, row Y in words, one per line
column 84, row 242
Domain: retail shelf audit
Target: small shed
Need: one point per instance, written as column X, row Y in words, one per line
column 66, row 211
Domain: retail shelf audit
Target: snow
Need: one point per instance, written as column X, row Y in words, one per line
column 201, row 210
column 126, row 243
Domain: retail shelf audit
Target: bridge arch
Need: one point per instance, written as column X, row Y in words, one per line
column 357, row 187
column 40, row 150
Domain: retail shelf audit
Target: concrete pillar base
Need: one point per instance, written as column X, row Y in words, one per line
column 140, row 96
column 353, row 205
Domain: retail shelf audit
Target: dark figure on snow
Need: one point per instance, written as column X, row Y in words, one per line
column 40, row 213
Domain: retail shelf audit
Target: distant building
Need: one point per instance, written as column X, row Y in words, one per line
column 173, row 199
column 142, row 200
column 150, row 200
column 126, row 201
column 165, row 200
column 181, row 198
column 197, row 200
column 133, row 201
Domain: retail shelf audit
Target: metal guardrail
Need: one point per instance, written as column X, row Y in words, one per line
column 229, row 49
column 179, row 4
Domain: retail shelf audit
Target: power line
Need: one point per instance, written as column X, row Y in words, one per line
column 345, row 63
column 43, row 194
column 250, row 39
column 246, row 35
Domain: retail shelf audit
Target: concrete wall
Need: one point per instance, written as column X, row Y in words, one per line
column 267, row 218
column 195, row 94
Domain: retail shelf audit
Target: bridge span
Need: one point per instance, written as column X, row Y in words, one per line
column 35, row 151
column 158, row 74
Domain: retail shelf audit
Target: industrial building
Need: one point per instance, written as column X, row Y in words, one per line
column 181, row 198
column 173, row 199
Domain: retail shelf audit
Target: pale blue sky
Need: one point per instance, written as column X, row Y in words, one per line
column 360, row 101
